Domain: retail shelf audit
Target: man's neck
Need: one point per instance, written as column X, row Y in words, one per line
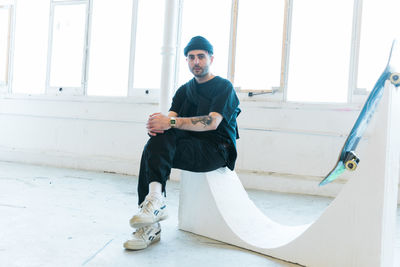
column 205, row 78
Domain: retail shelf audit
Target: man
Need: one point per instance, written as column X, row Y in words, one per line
column 198, row 134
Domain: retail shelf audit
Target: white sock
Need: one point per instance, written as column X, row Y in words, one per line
column 155, row 189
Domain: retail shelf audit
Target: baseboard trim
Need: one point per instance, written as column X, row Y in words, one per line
column 275, row 182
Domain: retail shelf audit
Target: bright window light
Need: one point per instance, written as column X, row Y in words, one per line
column 149, row 40
column 259, row 51
column 30, row 50
column 110, row 48
column 320, row 51
column 210, row 19
column 68, row 45
column 377, row 34
column 4, row 43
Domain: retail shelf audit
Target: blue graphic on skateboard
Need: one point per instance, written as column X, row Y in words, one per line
column 348, row 160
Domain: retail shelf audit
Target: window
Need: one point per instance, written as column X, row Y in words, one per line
column 259, row 51
column 320, row 50
column 210, row 19
column 149, row 41
column 30, row 50
column 377, row 34
column 6, row 17
column 110, row 48
column 312, row 50
column 67, row 47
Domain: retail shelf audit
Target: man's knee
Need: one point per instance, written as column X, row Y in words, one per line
column 165, row 140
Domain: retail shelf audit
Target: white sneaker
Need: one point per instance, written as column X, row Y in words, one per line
column 143, row 237
column 152, row 210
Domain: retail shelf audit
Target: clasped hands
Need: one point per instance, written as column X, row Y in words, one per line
column 157, row 124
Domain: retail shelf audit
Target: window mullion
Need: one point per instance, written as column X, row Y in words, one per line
column 133, row 47
column 49, row 48
column 355, row 49
column 11, row 48
column 232, row 42
column 287, row 30
column 178, row 52
column 5, row 80
column 85, row 60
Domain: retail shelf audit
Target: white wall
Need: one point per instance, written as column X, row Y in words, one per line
column 93, row 135
column 290, row 147
column 285, row 147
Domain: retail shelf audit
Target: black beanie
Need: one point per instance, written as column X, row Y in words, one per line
column 198, row 43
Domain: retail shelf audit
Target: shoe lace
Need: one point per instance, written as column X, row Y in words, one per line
column 139, row 232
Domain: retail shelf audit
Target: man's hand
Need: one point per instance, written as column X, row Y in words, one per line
column 157, row 124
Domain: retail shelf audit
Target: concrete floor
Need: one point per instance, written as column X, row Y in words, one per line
column 63, row 217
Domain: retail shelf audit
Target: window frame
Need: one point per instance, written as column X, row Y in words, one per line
column 286, row 27
column 5, row 86
column 65, row 90
column 353, row 90
column 134, row 23
column 279, row 93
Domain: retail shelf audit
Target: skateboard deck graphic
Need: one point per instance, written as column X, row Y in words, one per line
column 347, row 158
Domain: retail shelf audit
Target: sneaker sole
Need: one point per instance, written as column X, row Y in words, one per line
column 135, row 223
column 130, row 246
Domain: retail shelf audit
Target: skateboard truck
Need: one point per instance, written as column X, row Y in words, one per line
column 395, row 78
column 351, row 161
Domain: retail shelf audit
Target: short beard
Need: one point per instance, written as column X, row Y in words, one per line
column 202, row 74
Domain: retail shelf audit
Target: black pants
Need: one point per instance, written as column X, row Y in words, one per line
column 177, row 149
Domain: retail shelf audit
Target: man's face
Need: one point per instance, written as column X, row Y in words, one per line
column 199, row 62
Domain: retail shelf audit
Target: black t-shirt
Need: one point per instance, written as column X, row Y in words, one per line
column 216, row 95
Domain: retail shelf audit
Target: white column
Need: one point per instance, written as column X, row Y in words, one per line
column 168, row 52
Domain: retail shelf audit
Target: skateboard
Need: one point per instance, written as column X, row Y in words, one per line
column 348, row 159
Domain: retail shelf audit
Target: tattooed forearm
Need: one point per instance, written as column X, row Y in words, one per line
column 205, row 120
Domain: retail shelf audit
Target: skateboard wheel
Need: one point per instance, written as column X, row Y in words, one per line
column 351, row 161
column 395, row 78
column 351, row 165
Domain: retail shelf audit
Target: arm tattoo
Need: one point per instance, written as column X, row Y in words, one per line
column 205, row 120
